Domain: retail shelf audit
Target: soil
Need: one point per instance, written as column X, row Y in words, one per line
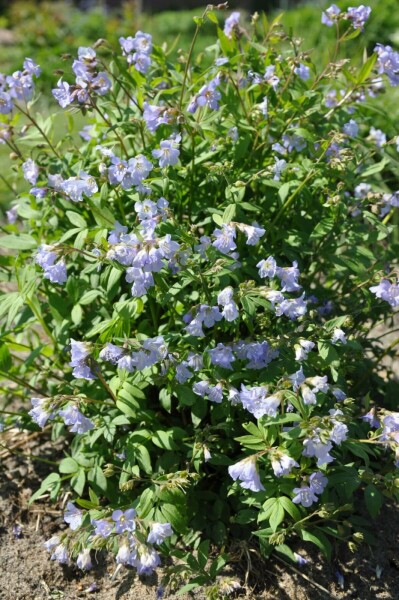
column 26, row 573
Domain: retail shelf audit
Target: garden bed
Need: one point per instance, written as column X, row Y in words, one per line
column 27, row 572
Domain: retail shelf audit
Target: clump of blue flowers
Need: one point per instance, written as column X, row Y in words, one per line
column 206, row 267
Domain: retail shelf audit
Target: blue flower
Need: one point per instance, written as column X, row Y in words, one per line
column 231, row 23
column 154, row 116
column 73, row 417
column 31, row 171
column 315, row 447
column 256, row 401
column 73, row 516
column 168, row 154
column 245, row 471
column 358, row 15
column 80, row 352
column 159, row 532
column 62, row 93
column 83, row 560
column 230, row 308
column 388, row 62
column 317, row 482
column 330, row 15
column 305, row 496
column 124, row 520
column 282, row 464
column 147, row 561
column 41, row 411
column 225, row 239
column 103, row 527
column 288, row 277
column 60, row 554
column 387, row 291
column 302, row 71
column 267, row 267
column 111, row 353
column 351, row 128
column 31, row 67
column 222, row 356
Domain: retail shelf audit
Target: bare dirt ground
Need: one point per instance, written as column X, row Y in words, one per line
column 26, row 573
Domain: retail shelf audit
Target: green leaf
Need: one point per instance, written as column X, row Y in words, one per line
column 373, row 499
column 376, row 168
column 23, row 241
column 319, row 539
column 90, row 296
column 76, row 219
column 203, row 553
column 97, row 478
column 68, row 465
column 225, row 43
column 217, row 565
column 175, row 516
column 5, row 357
column 165, row 399
column 286, row 551
column 143, row 458
column 86, row 504
column 113, row 278
column 128, row 405
column 327, row 352
column 164, row 440
column 187, row 588
column 284, row 191
column 229, row 213
column 276, row 515
column 146, row 503
column 290, row 507
column 366, row 69
column 186, row 395
column 78, row 482
column 93, row 497
column 212, row 17
column 52, row 481
column 77, row 314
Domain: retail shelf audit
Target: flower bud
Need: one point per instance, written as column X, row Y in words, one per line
column 109, row 470
column 352, row 546
column 277, row 538
column 128, row 485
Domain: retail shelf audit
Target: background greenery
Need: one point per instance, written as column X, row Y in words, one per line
column 58, row 29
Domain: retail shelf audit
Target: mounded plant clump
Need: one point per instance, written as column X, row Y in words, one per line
column 197, row 277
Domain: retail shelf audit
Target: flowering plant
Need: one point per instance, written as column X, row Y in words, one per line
column 207, row 260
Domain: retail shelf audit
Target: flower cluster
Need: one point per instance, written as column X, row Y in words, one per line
column 45, row 409
column 89, row 81
column 388, row 291
column 18, row 87
column 137, row 50
column 152, row 351
column 119, row 528
column 178, row 289
column 55, row 271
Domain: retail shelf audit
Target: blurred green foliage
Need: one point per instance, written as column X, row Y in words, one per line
column 47, row 30
column 383, row 27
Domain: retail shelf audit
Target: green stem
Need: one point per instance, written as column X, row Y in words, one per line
column 24, row 384
column 105, row 385
column 43, row 134
column 190, row 53
column 30, row 456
